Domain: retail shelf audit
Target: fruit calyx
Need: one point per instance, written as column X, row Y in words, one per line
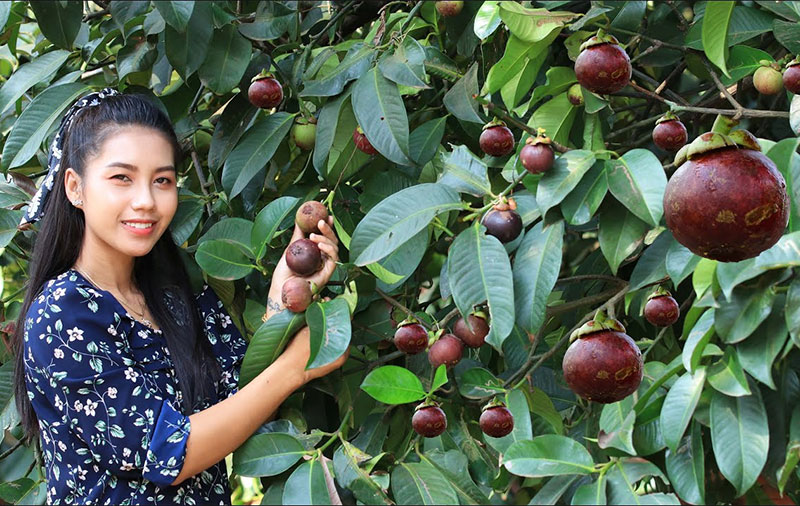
column 659, row 292
column 600, row 323
column 540, row 138
column 711, row 141
column 494, row 123
column 668, row 116
column 262, row 75
column 600, row 38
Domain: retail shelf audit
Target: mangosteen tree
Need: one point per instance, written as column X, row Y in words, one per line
column 569, row 234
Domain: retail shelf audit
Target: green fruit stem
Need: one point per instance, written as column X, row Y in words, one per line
column 724, row 124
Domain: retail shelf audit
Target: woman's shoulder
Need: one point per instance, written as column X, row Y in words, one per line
column 69, row 291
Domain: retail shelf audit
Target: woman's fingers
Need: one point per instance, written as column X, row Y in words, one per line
column 327, row 230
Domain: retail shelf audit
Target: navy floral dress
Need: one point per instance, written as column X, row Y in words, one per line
column 104, row 389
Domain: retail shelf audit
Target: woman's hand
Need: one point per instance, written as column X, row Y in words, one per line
column 329, row 247
column 296, row 357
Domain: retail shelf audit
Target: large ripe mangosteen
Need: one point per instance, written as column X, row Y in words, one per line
column 309, row 214
column 474, row 335
column 537, row 154
column 726, row 201
column 265, row 91
column 447, row 350
column 661, row 309
column 304, row 257
column 496, row 139
column 503, row 222
column 602, row 65
column 429, row 420
column 791, row 76
column 411, row 338
column 496, row 420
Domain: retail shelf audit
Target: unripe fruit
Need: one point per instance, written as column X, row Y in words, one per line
column 308, row 216
column 473, row 338
column 791, row 78
column 449, row 8
column 662, row 311
column 768, row 81
column 265, row 93
column 304, row 133
column 603, row 66
column 537, row 158
column 411, row 339
column 670, row 135
column 296, row 295
column 575, row 95
column 304, row 257
column 496, row 140
column 496, row 421
column 505, row 225
column 362, row 143
column 447, row 350
column 429, row 421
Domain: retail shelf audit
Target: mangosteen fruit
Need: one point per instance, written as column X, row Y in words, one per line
column 726, row 201
column 447, row 350
column 575, row 95
column 767, row 80
column 505, row 224
column 411, row 338
column 661, row 309
column 265, row 91
column 308, row 215
column 429, row 420
column 603, row 66
column 496, row 139
column 296, row 294
column 304, row 257
column 602, row 364
column 362, row 143
column 670, row 133
column 496, row 420
column 304, row 133
column 791, row 76
column 473, row 335
column 449, row 8
column 537, row 154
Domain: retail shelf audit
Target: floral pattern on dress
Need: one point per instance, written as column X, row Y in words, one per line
column 104, row 389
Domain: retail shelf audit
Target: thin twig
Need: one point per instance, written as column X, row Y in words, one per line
column 11, row 450
column 677, row 70
column 391, row 300
column 745, row 113
column 506, row 116
column 652, row 82
column 647, row 92
column 632, row 126
column 586, row 277
column 203, row 184
column 736, row 105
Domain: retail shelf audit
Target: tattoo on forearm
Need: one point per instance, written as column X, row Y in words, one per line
column 272, row 305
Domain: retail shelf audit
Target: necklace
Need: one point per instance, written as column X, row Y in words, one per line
column 125, row 304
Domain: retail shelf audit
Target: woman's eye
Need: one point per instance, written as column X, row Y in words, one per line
column 120, row 177
column 164, row 180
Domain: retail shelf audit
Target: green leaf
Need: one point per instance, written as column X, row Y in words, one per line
column 226, row 61
column 680, row 261
column 223, row 260
column 715, row 31
column 630, row 16
column 547, row 455
column 397, row 218
column 187, row 217
column 621, row 232
column 536, row 267
column 267, row 454
column 757, row 354
column 727, row 375
column 424, row 140
column 328, row 129
column 794, row 114
column 268, row 343
column 517, row 403
column 487, row 20
column 478, row 382
column 616, row 426
column 558, row 80
column 730, row 274
column 187, row 49
column 686, row 467
column 520, row 84
column 392, row 384
column 739, row 316
column 380, row 112
column 267, row 222
column 513, row 61
column 542, row 405
column 624, row 476
column 452, row 464
column 32, row 125
column 743, row 61
column 788, row 34
column 579, row 206
column 591, row 493
column 556, row 117
column 652, row 265
column 532, row 25
column 740, row 437
column 785, row 253
column 175, row 13
column 306, row 485
column 552, row 491
column 406, row 65
column 254, row 151
column 59, row 22
column 679, row 406
column 329, row 323
column 563, row 177
column 29, row 74
column 439, row 378
column 478, row 271
column 356, row 62
column 458, row 100
column 703, row 276
column 792, row 458
column 401, row 263
column 272, row 20
column 792, row 310
column 344, row 158
column 464, row 172
column 638, row 181
column 235, row 231
column 421, row 483
column 697, row 339
column 12, row 492
column 784, row 154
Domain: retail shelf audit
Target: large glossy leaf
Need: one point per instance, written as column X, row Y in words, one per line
column 536, row 267
column 223, row 260
column 784, row 154
column 458, row 99
column 652, row 265
column 552, row 491
column 591, row 493
column 421, row 483
column 727, row 376
column 715, row 32
column 327, row 129
column 623, row 478
column 254, row 151
column 268, row 221
column 267, row 454
column 758, row 353
column 686, row 467
column 740, row 437
column 381, row 114
column 579, row 206
column 13, row 492
column 306, row 485
column 32, row 125
column 547, row 455
column 392, row 384
column 235, row 231
column 464, row 172
column 397, row 218
column 697, row 339
column 513, row 61
column 787, row 34
column 29, row 74
column 487, row 20
column 680, row 261
column 621, row 232
column 424, row 140
column 532, row 25
column 268, row 343
column 344, row 158
column 558, row 80
column 59, row 22
column 231, row 125
column 563, row 177
column 679, row 406
column 479, row 272
column 792, row 310
column 730, row 274
column 186, row 219
column 186, row 50
column 452, row 464
column 176, row 13
column 783, row 254
column 272, row 20
column 616, row 426
column 406, row 65
column 355, row 63
column 638, row 181
column 739, row 316
column 226, row 61
column 395, row 268
column 556, row 117
column 138, row 55
column 478, row 382
column 329, row 323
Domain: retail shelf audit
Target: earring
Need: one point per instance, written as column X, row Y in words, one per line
column 77, row 202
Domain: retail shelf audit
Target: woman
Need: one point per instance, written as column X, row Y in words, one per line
column 128, row 377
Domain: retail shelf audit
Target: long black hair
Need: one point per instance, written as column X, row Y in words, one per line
column 160, row 275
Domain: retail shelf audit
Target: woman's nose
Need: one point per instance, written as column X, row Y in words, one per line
column 143, row 198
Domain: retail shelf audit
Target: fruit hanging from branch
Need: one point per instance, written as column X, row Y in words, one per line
column 496, row 420
column 537, row 154
column 449, row 8
column 726, row 201
column 602, row 364
column 603, row 66
column 296, row 294
column 503, row 222
column 474, row 334
column 265, row 91
column 661, row 309
column 791, row 76
column 304, row 133
column 308, row 216
column 670, row 133
column 429, row 420
column 496, row 139
column 362, row 143
column 447, row 350
column 767, row 79
column 411, row 338
column 304, row 257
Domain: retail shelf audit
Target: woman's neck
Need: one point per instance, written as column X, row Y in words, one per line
column 108, row 268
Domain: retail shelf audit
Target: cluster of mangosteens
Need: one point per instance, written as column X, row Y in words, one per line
column 304, row 258
column 768, row 79
column 266, row 92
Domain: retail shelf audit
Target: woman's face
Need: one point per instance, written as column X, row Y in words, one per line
column 129, row 192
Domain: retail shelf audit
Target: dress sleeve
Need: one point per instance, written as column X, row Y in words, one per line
column 227, row 342
column 83, row 380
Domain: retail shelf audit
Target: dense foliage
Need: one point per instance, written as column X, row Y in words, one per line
column 717, row 413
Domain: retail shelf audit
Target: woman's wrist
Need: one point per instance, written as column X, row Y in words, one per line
column 295, row 377
column 274, row 303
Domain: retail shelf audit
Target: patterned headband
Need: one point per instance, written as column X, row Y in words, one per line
column 36, row 207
